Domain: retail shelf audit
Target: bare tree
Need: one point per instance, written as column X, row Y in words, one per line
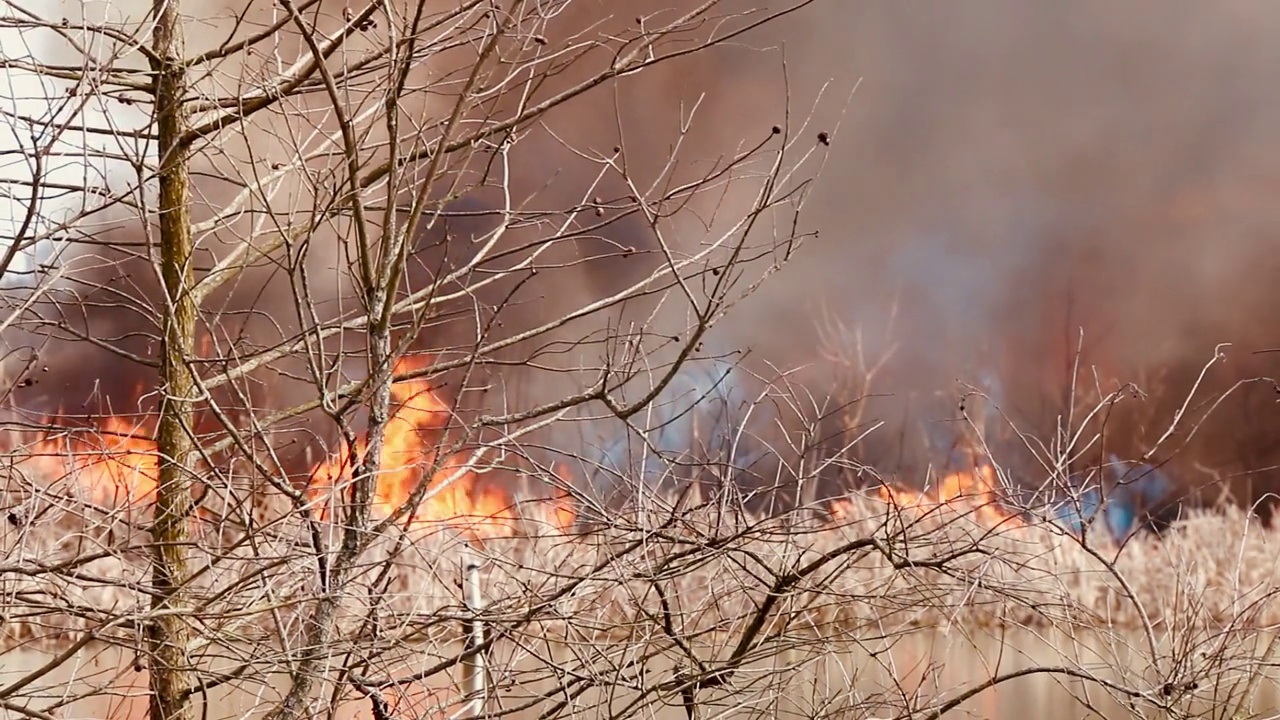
column 167, row 632
column 323, row 208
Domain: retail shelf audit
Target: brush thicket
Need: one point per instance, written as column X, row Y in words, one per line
column 702, row 569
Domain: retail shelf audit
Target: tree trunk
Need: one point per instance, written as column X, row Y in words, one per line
column 356, row 517
column 168, row 633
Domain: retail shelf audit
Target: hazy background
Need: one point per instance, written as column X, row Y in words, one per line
column 1006, row 176
column 1016, row 172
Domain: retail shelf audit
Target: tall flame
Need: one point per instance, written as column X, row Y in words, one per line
column 452, row 495
column 117, row 465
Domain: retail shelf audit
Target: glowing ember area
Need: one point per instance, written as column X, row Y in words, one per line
column 452, row 496
column 117, row 465
column 971, row 493
column 562, row 513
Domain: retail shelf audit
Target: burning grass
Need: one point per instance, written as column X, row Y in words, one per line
column 872, row 565
column 114, row 467
column 73, row 554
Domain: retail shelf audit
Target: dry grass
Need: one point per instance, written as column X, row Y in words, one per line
column 701, row 572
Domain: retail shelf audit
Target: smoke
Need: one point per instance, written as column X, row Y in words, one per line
column 109, row 290
column 45, row 136
column 1009, row 182
column 1011, row 175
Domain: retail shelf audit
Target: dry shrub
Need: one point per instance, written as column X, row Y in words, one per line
column 700, row 573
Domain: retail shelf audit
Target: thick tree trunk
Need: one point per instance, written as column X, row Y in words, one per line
column 168, row 634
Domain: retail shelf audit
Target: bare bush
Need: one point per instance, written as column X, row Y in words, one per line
column 362, row 364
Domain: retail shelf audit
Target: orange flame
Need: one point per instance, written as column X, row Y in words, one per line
column 453, row 495
column 560, row 511
column 117, row 466
column 969, row 492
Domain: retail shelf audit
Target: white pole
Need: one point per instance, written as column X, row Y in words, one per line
column 473, row 670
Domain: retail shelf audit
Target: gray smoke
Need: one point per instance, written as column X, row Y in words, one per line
column 1006, row 175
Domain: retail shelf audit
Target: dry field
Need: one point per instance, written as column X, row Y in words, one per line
column 866, row 608
column 877, row 565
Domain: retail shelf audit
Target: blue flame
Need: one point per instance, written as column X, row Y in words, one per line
column 697, row 418
column 1076, row 513
column 1138, row 489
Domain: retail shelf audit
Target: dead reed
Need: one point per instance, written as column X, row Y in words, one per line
column 702, row 571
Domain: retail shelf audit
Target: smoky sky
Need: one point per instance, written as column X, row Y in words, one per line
column 1049, row 202
column 1008, row 181
column 1009, row 175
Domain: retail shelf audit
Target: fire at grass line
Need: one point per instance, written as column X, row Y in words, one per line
column 114, row 463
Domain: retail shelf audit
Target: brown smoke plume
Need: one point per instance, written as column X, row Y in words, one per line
column 1014, row 174
column 1007, row 176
